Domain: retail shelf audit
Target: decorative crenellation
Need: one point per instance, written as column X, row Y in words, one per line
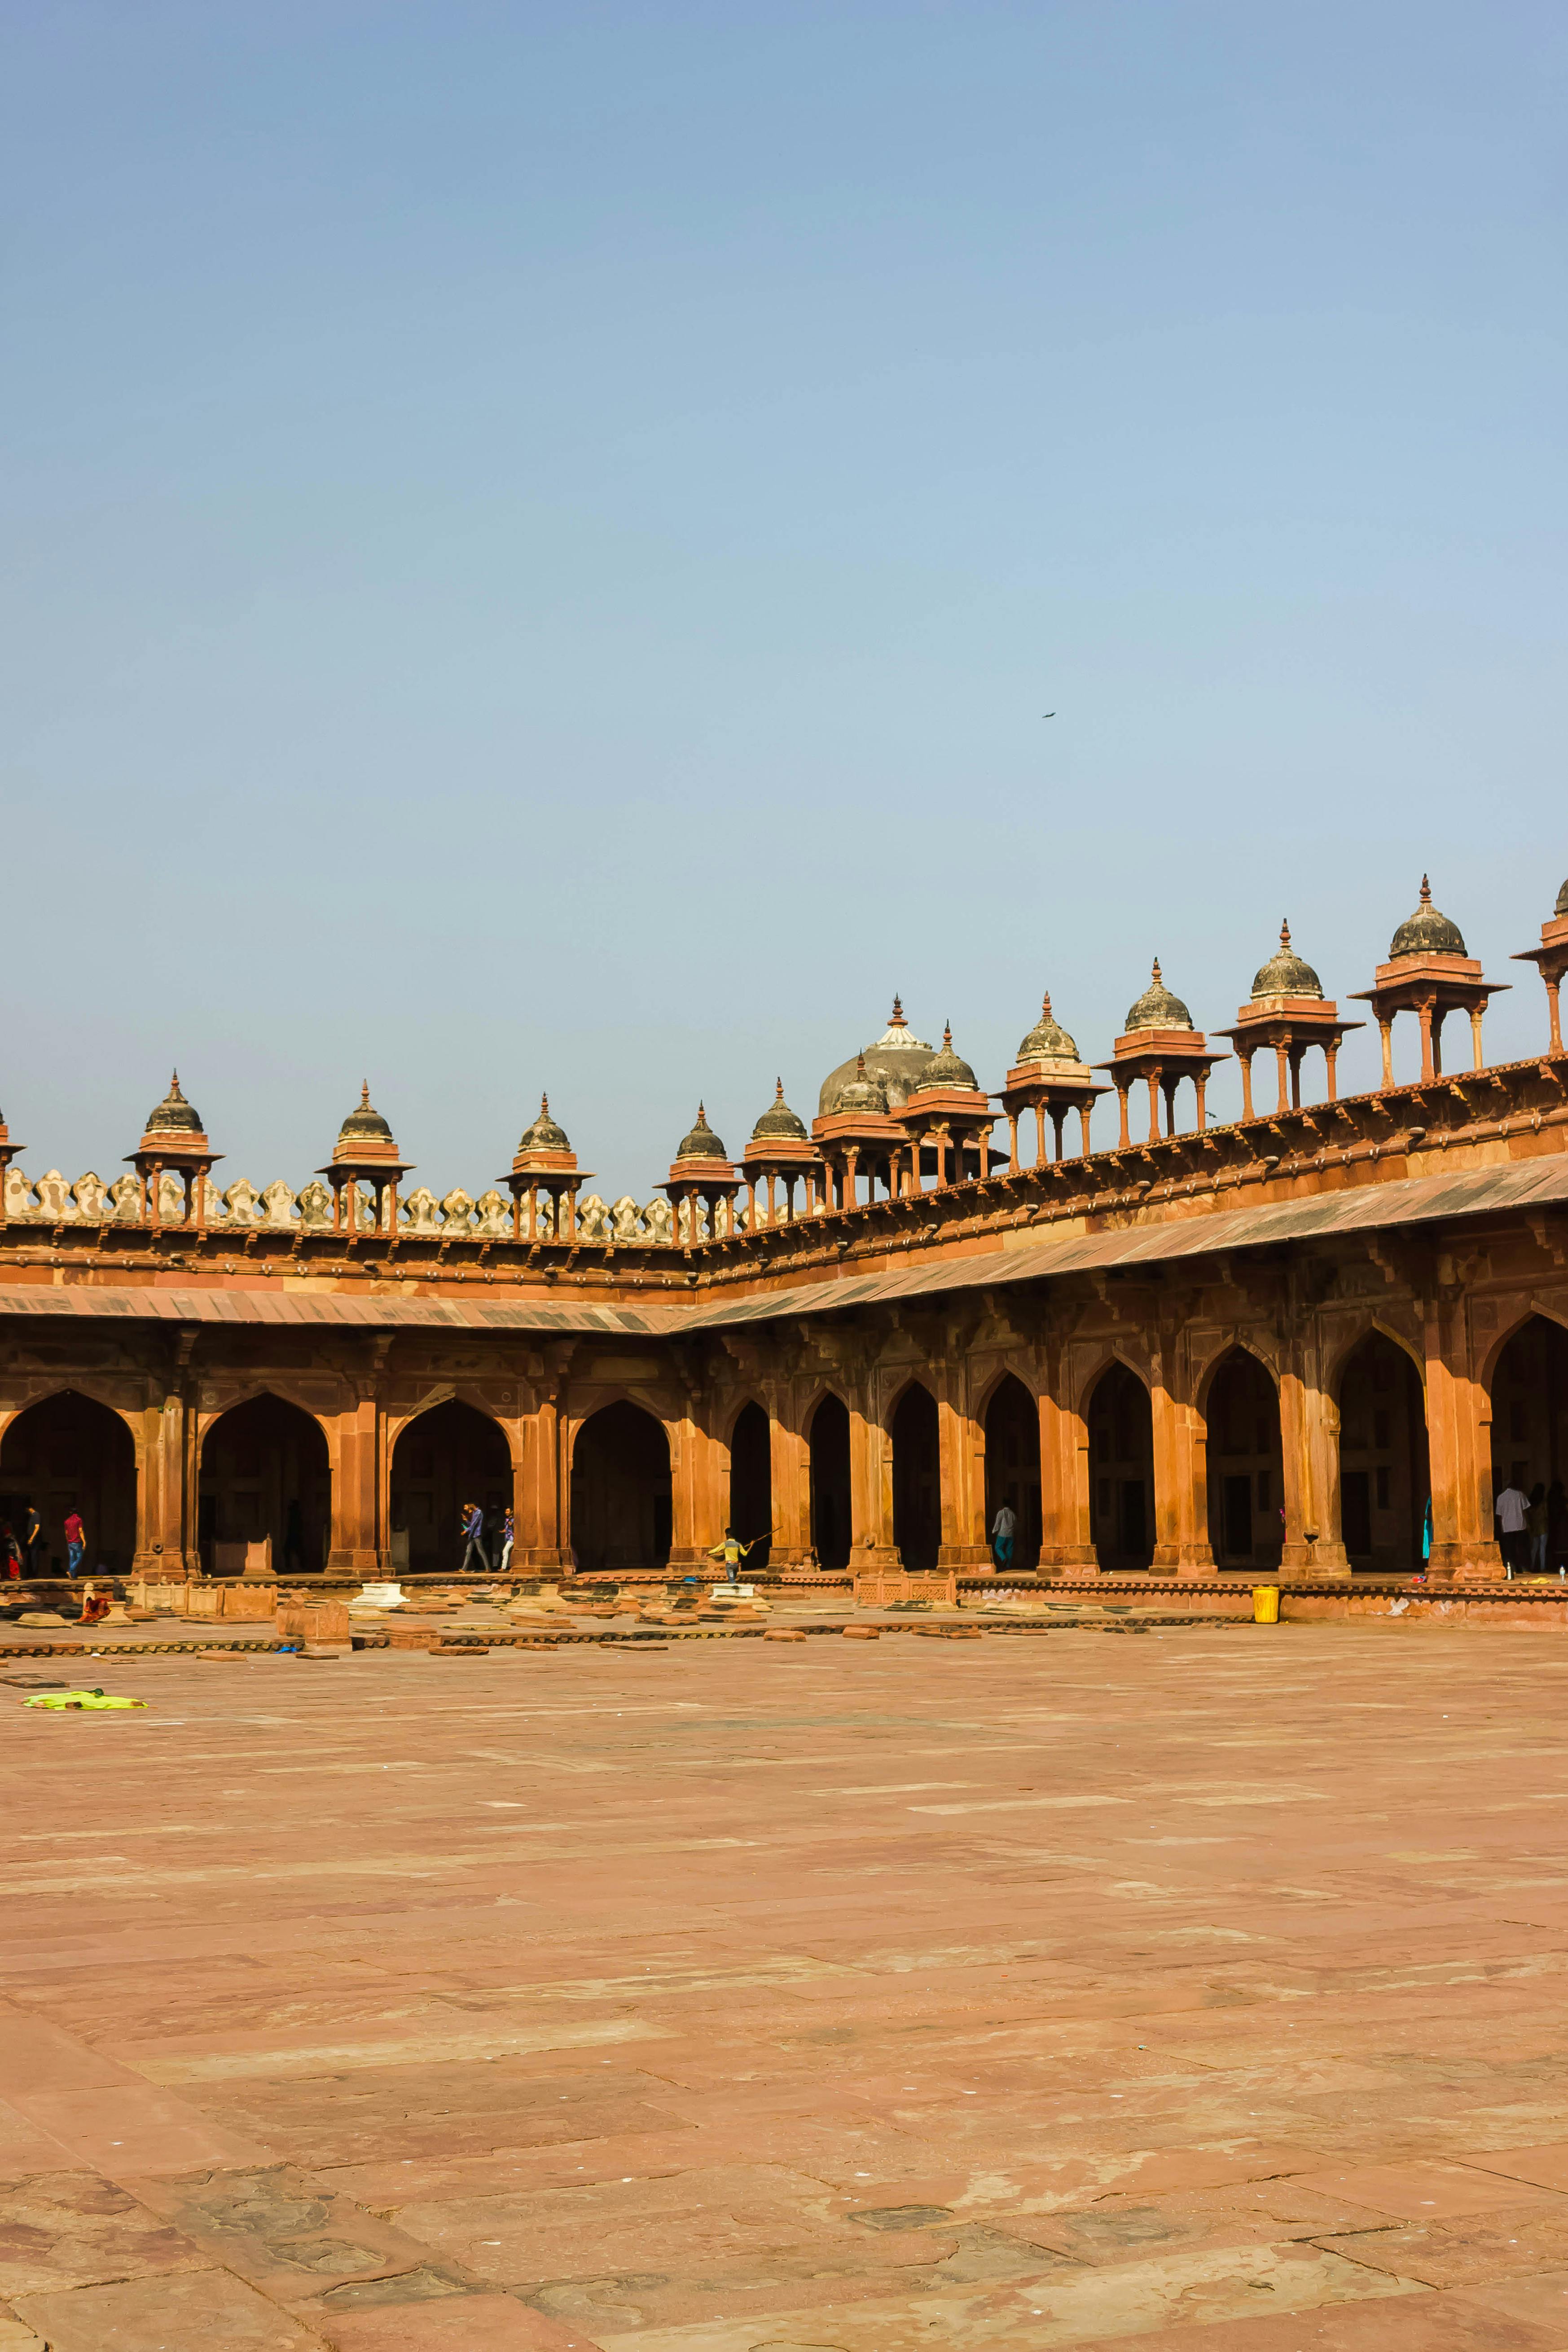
column 896, row 1114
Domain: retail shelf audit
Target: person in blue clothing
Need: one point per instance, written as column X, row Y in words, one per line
column 474, row 1529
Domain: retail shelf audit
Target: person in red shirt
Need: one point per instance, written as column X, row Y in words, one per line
column 75, row 1543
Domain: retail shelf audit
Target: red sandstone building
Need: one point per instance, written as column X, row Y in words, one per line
column 1254, row 1347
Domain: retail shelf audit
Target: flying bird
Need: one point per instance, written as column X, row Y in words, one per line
column 1048, row 714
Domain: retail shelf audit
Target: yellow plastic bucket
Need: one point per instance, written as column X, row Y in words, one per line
column 1265, row 1605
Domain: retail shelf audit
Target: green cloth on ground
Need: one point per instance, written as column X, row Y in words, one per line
column 59, row 1700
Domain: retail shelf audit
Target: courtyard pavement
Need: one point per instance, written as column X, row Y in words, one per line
column 1202, row 1991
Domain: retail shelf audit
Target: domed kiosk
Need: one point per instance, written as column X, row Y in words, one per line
column 856, row 1130
column 173, row 1144
column 1428, row 973
column 1289, row 1011
column 364, row 1149
column 1160, row 1043
column 781, row 1152
column 1550, row 961
column 701, row 1171
column 948, row 1116
column 1050, row 1077
column 545, row 1162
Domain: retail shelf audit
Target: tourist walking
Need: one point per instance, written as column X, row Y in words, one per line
column 1535, row 1527
column 474, row 1529
column 75, row 1543
column 1511, row 1508
column 32, row 1540
column 507, row 1536
column 1003, row 1527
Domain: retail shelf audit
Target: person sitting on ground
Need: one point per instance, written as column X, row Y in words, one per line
column 94, row 1605
column 10, row 1550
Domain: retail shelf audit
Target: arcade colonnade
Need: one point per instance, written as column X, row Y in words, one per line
column 1171, row 1443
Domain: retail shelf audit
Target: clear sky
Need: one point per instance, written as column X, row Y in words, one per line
column 538, row 541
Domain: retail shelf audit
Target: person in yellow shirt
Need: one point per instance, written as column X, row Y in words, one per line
column 733, row 1551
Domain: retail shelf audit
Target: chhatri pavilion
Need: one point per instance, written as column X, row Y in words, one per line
column 1310, row 1343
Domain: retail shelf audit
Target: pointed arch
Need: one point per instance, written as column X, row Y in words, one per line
column 1527, row 1381
column 69, row 1451
column 446, row 1458
column 827, row 1447
column 1119, row 1415
column 264, row 1474
column 1385, row 1473
column 752, row 1482
column 1239, row 1401
column 1011, row 1423
column 622, row 1495
column 915, row 1430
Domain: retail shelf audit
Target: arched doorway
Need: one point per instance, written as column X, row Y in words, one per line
column 917, row 1479
column 828, row 1439
column 1245, row 1465
column 1384, row 1482
column 1013, row 1466
column 266, row 1473
column 1530, row 1424
column 752, row 1483
column 1122, row 1470
column 446, row 1458
column 66, row 1454
column 620, row 1490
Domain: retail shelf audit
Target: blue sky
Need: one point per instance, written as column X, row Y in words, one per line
column 538, row 540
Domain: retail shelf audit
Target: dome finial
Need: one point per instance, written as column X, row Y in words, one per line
column 778, row 1090
column 896, row 1017
column 1285, row 933
column 1158, row 975
column 1426, row 891
column 947, row 1036
column 364, row 1093
column 1046, row 1005
column 544, row 1104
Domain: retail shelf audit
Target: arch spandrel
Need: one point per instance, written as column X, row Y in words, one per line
column 456, row 1392
column 1006, row 1368
column 1215, row 1359
column 1487, row 1370
column 1115, row 1353
column 133, row 1416
column 1365, row 1327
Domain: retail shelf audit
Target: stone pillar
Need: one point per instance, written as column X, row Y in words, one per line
column 536, row 1498
column 1066, row 1548
column 870, row 1486
column 1459, row 1419
column 166, row 1487
column 356, row 1547
column 961, row 1459
column 700, row 1485
column 789, row 1462
column 1310, row 1441
column 1181, row 1476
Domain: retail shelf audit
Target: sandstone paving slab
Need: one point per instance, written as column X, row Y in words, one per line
column 16, row 2335
column 281, row 2231
column 198, row 2312
column 833, row 1976
column 469, row 2323
column 1056, row 2305
column 1421, row 2322
column 128, row 2132
column 1419, row 2192
column 71, row 2229
column 1546, row 2167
